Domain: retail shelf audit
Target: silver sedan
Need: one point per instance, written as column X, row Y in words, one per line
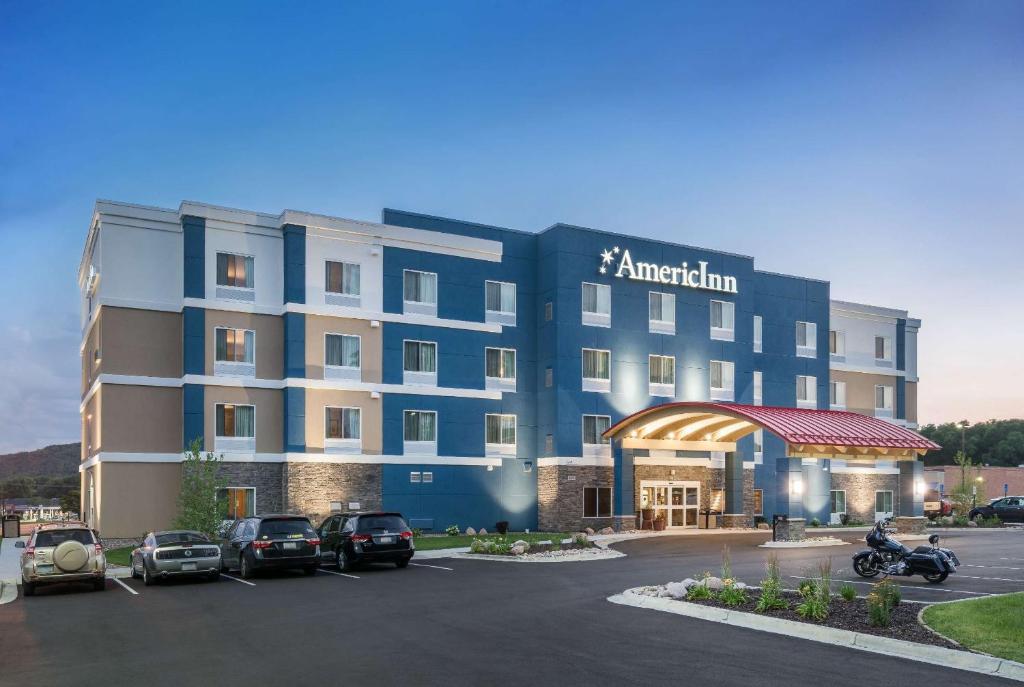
column 175, row 553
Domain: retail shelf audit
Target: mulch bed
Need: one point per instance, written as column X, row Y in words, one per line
column 544, row 548
column 848, row 615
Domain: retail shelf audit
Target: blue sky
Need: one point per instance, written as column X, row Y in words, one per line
column 876, row 145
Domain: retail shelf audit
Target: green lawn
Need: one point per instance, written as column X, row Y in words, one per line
column 994, row 625
column 432, row 543
column 119, row 556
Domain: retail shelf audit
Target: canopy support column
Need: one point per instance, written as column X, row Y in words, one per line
column 734, row 515
column 624, row 500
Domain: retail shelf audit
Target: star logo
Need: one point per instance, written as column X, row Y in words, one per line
column 607, row 258
column 602, row 269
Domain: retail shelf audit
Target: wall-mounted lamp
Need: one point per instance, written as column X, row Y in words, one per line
column 796, row 485
column 919, row 487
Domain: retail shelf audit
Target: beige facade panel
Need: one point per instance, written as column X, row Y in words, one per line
column 133, row 498
column 317, row 400
column 139, row 342
column 370, row 344
column 140, row 419
column 269, row 341
column 91, row 362
column 860, row 389
column 911, row 402
column 269, row 415
column 92, row 438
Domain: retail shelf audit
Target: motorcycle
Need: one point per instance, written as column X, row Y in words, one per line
column 889, row 557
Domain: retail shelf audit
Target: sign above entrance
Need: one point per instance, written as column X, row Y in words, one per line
column 675, row 275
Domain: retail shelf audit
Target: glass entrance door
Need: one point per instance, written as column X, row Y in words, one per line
column 676, row 502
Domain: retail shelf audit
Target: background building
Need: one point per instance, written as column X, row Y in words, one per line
column 460, row 373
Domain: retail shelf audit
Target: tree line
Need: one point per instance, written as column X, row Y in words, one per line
column 994, row 442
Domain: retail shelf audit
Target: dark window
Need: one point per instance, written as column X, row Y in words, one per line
column 181, row 538
column 286, row 528
column 597, row 502
column 379, row 523
column 58, row 537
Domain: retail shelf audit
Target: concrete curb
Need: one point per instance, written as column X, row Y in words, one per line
column 8, row 592
column 603, row 554
column 951, row 658
column 118, row 571
column 803, row 544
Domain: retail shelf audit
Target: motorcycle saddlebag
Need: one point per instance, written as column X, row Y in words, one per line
column 926, row 562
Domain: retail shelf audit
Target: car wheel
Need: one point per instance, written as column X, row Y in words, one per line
column 29, row 588
column 99, row 585
column 135, row 571
column 245, row 566
column 404, row 563
column 344, row 564
column 147, row 579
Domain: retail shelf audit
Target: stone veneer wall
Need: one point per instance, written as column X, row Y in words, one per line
column 860, row 493
column 709, row 478
column 309, row 488
column 266, row 478
column 560, row 496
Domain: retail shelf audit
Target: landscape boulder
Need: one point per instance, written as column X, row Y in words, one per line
column 606, row 530
column 470, row 531
column 589, row 531
column 482, row 531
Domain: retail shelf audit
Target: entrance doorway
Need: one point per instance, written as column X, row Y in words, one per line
column 677, row 502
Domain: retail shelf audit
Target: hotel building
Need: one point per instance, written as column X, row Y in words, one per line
column 463, row 374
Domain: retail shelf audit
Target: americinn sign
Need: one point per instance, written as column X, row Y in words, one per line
column 676, row 275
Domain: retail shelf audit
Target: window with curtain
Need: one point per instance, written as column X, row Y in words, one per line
column 341, row 350
column 883, row 348
column 758, row 336
column 662, row 307
column 342, row 423
column 722, row 315
column 883, row 398
column 721, row 375
column 836, row 342
column 500, row 429
column 597, row 299
column 759, row 441
column 420, row 425
column 500, row 363
column 758, row 387
column 420, row 356
column 596, row 364
column 235, row 345
column 235, row 270
column 662, row 369
column 235, row 420
column 420, row 287
column 593, row 427
column 342, row 277
column 237, row 502
column 500, row 296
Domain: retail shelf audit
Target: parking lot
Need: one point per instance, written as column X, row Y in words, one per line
column 462, row 621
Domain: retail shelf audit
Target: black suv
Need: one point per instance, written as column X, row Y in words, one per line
column 351, row 539
column 270, row 541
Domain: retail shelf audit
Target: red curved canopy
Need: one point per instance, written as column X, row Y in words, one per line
column 794, row 425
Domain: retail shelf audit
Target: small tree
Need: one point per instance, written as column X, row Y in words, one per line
column 962, row 495
column 198, row 507
column 70, row 501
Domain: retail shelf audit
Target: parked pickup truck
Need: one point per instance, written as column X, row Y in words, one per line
column 936, row 505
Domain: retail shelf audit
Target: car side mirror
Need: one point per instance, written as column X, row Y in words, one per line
column 19, row 544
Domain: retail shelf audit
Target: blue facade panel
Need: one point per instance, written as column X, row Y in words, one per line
column 193, row 325
column 901, row 344
column 192, row 397
column 294, row 263
column 295, row 420
column 294, row 344
column 194, row 245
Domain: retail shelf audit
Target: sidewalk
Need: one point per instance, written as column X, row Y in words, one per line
column 10, row 561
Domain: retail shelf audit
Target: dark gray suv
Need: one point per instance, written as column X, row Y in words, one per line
column 270, row 541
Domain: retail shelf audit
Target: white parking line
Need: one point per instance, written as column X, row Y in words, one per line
column 992, row 567
column 924, row 589
column 1011, row 559
column 237, row 579
column 436, row 567
column 339, row 574
column 125, row 586
column 995, row 579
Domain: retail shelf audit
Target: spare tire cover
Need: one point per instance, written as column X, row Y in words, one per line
column 70, row 556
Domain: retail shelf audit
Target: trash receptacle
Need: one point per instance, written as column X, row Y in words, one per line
column 11, row 527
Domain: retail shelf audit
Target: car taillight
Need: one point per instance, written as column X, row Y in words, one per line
column 30, row 552
column 361, row 537
column 99, row 548
column 313, row 542
column 407, row 535
column 260, row 544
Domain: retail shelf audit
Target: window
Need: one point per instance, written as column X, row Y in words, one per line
column 235, row 427
column 837, row 343
column 883, row 350
column 806, row 392
column 549, row 311
column 662, row 375
column 721, row 380
column 500, row 302
column 807, row 339
column 549, row 444
column 235, row 271
column 420, row 292
column 758, row 502
column 758, row 387
column 235, row 352
column 428, row 477
column 837, row 395
column 593, row 443
column 759, row 447
column 420, row 432
column 597, row 373
column 837, row 499
column 723, row 321
column 414, row 477
column 342, row 430
column 341, row 284
column 500, row 435
column 883, row 504
column 238, row 502
column 500, row 368
column 597, row 305
column 718, row 501
column 758, row 334
column 661, row 313
column 549, row 377
column 597, row 502
column 883, row 401
column 341, row 356
column 420, row 362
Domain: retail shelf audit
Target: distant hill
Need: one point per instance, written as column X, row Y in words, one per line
column 59, row 460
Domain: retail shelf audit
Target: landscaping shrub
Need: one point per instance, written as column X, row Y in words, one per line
column 960, row 521
column 815, row 522
column 844, row 519
column 579, row 539
column 884, row 597
column 771, row 588
column 805, row 587
column 417, row 532
column 699, row 591
column 818, row 594
column 730, row 594
column 994, row 521
column 848, row 592
column 452, row 530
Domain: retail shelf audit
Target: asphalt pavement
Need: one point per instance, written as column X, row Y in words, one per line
column 464, row 622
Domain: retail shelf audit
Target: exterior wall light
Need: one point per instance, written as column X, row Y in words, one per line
column 919, row 487
column 796, row 485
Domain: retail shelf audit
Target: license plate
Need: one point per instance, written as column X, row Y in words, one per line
column 188, row 567
column 291, row 545
column 44, row 569
column 387, row 540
